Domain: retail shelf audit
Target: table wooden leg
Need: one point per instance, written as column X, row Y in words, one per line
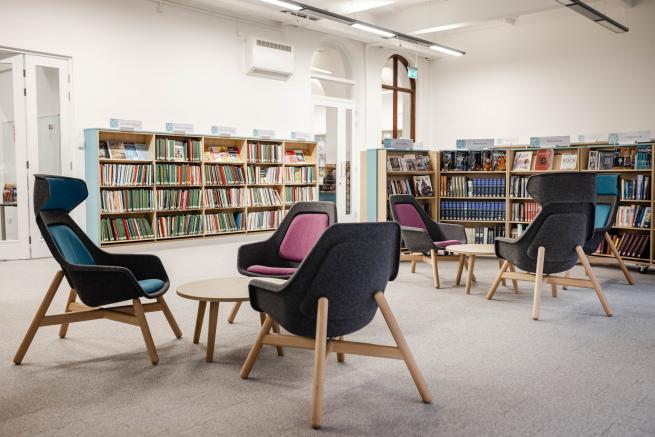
column 211, row 333
column 199, row 319
column 233, row 314
column 460, row 266
column 469, row 274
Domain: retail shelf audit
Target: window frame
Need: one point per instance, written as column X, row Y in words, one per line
column 395, row 89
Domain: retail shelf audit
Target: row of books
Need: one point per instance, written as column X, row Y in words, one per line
column 169, row 149
column 125, row 175
column 544, row 160
column 634, row 216
column 299, row 194
column 264, row 175
column 222, row 154
column 295, row 156
column 636, row 189
column 225, row 198
column 179, row 225
column 116, row 149
column 484, row 234
column 638, row 158
column 462, row 186
column 518, row 186
column 263, row 197
column 524, row 211
column 474, row 160
column 116, row 201
column 259, row 220
column 409, row 162
column 517, row 230
column 223, row 222
column 178, row 174
column 418, row 186
column 224, row 175
column 124, row 229
column 465, row 210
column 629, row 244
column 269, row 153
column 178, row 199
column 300, row 175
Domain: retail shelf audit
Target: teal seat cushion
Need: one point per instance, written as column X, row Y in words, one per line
column 607, row 185
column 602, row 215
column 70, row 246
column 150, row 286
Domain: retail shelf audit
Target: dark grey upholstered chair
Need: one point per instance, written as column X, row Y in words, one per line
column 554, row 241
column 423, row 236
column 280, row 255
column 98, row 278
column 348, row 270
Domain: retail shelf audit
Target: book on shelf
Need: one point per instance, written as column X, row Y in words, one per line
column 484, row 234
column 117, row 201
column 569, row 161
column 179, row 225
column 462, row 160
column 633, row 216
column 525, row 211
column 605, row 160
column 225, row 197
column 176, row 199
column 462, row 186
column 423, row 162
column 472, row 210
column 223, row 222
column 522, row 161
column 224, row 175
column 263, row 197
column 634, row 245
column 262, row 220
column 475, row 160
column 408, row 162
column 498, row 160
column 517, row 230
column 294, row 156
column 130, row 151
column 264, row 175
column 174, row 149
column 635, row 189
column 223, row 154
column 644, row 157
column 423, row 186
column 299, row 194
column 592, row 163
column 125, row 229
column 544, row 159
column 103, row 151
column 518, row 186
column 300, row 175
column 265, row 153
column 447, row 161
column 399, row 186
column 178, row 174
column 125, row 175
column 116, row 149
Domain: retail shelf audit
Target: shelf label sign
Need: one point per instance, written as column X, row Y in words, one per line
column 621, row 138
column 412, row 72
column 179, row 128
column 302, row 136
column 121, row 124
column 224, row 131
column 592, row 138
column 263, row 133
column 547, row 142
column 478, row 144
column 506, row 141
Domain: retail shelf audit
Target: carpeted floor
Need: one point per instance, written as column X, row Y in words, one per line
column 491, row 369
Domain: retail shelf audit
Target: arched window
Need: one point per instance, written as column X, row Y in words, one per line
column 331, row 74
column 398, row 100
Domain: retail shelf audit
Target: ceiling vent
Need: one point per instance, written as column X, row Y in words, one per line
column 270, row 59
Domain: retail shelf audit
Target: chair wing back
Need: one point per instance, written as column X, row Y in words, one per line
column 305, row 228
column 565, row 221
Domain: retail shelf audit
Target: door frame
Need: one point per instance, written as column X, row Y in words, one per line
column 342, row 105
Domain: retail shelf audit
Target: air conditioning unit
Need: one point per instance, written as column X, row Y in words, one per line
column 270, row 59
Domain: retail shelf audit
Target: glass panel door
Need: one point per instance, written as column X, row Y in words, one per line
column 14, row 227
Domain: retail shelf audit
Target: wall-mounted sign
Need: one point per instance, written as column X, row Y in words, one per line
column 179, row 128
column 506, row 141
column 412, row 72
column 479, row 144
column 302, row 136
column 592, row 138
column 263, row 133
column 398, row 143
column 224, row 131
column 119, row 123
column 621, row 138
column 560, row 141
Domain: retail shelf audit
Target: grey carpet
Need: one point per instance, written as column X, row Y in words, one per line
column 491, row 369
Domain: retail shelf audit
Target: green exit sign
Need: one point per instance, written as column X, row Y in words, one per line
column 412, row 72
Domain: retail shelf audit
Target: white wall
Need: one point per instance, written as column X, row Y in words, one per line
column 554, row 74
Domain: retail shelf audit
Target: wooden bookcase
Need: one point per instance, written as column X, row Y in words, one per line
column 204, row 212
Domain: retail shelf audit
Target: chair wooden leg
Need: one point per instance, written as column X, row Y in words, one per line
column 413, row 269
column 145, row 330
column 36, row 321
column 235, row 311
column 616, row 254
column 169, row 317
column 211, row 331
column 200, row 317
column 502, row 280
column 460, row 266
column 435, row 268
column 319, row 362
column 515, row 283
column 553, row 290
column 63, row 329
column 280, row 349
column 399, row 338
column 566, row 276
column 341, row 357
column 592, row 277
column 538, row 282
column 496, row 283
column 256, row 348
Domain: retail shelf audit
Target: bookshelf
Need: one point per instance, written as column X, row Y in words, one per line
column 150, row 186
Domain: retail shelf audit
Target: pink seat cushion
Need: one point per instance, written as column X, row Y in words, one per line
column 271, row 271
column 408, row 216
column 442, row 244
column 302, row 234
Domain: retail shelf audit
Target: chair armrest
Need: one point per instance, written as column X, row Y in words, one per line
column 99, row 285
column 452, row 231
column 262, row 288
column 417, row 239
column 142, row 266
column 260, row 252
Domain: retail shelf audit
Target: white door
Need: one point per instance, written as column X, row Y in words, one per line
column 334, row 131
column 14, row 209
column 48, row 128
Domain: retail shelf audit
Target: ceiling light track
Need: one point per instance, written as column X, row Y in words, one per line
column 296, row 7
column 594, row 15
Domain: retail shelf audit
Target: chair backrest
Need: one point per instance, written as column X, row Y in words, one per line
column 301, row 228
column 566, row 219
column 607, row 200
column 348, row 265
column 407, row 212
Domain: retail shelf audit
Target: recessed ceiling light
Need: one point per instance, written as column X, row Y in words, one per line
column 443, row 28
column 374, row 30
column 320, row 70
column 447, row 50
column 283, row 4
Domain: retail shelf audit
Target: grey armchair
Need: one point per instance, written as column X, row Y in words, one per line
column 554, row 241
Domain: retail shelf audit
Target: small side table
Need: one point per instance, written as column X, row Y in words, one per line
column 215, row 291
column 471, row 251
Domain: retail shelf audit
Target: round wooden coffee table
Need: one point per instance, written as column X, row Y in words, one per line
column 470, row 251
column 215, row 291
